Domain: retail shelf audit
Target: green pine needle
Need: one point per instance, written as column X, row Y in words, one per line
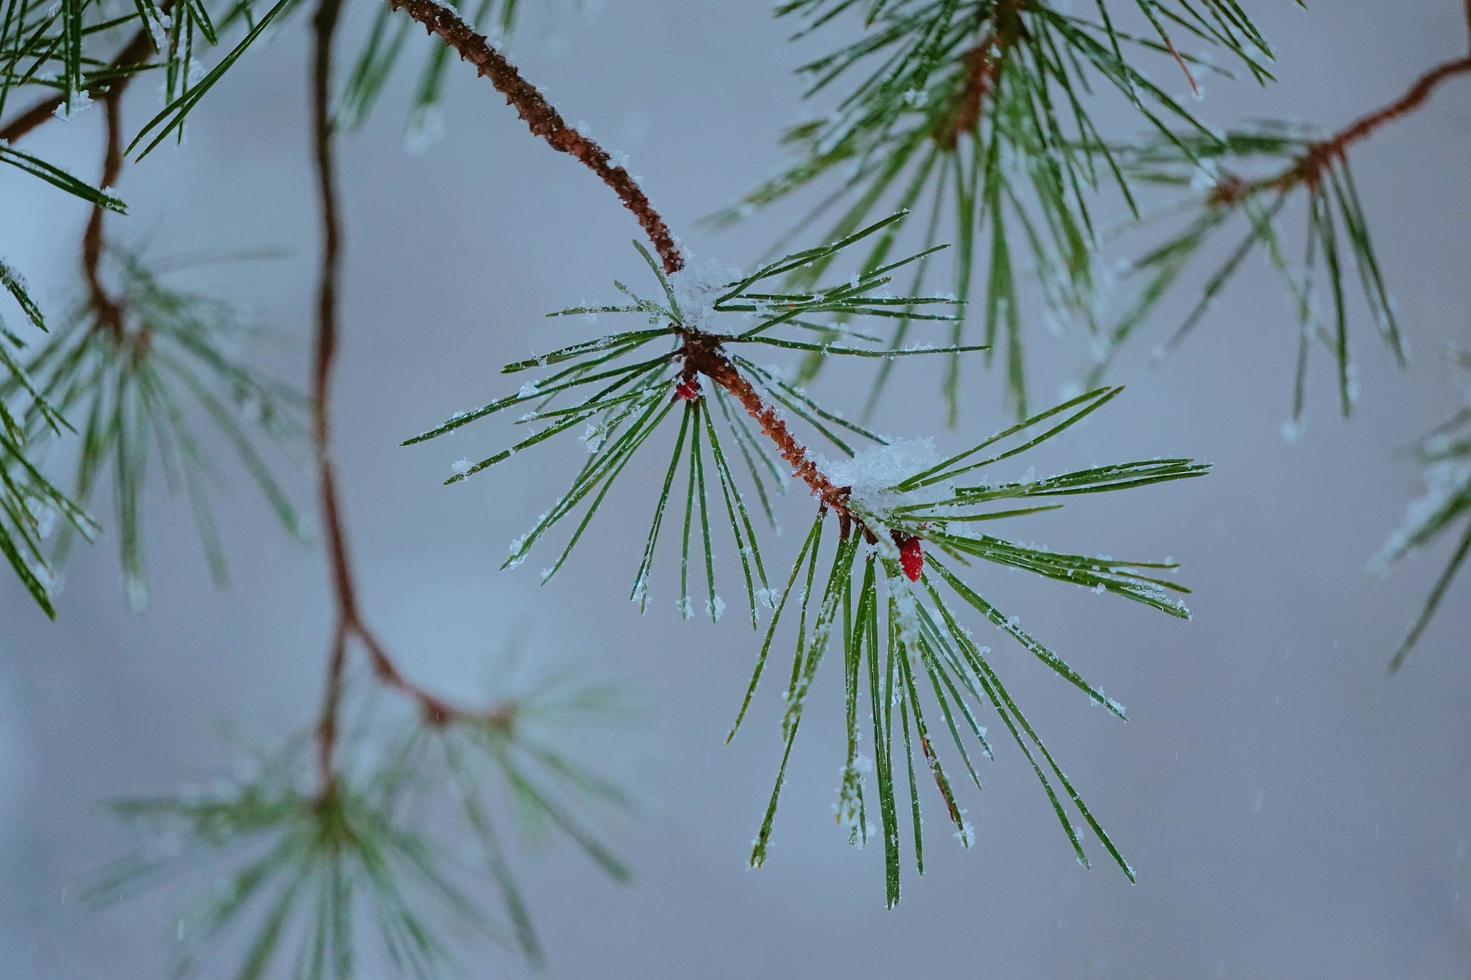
column 137, row 397
column 1444, row 510
column 297, row 865
column 984, row 110
column 930, row 652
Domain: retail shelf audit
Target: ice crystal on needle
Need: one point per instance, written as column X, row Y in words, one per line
column 873, row 474
column 696, row 287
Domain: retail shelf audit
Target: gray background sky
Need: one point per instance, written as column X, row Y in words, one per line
column 1291, row 811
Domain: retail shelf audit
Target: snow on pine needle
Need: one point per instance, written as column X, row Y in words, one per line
column 619, row 389
column 893, row 597
column 31, row 506
column 1445, row 456
column 895, row 600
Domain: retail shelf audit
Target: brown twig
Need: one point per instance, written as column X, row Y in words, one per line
column 542, row 119
column 108, row 311
column 349, row 623
column 708, row 359
column 1311, row 166
column 324, row 25
column 1308, row 169
column 331, row 702
column 702, row 353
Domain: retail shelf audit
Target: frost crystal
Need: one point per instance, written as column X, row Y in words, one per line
column 592, row 437
column 873, row 473
column 81, row 101
column 696, row 287
column 1445, row 482
column 461, row 466
column 158, row 24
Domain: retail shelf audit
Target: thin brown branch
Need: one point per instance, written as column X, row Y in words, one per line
column 349, row 623
column 708, row 359
column 1337, row 145
column 105, row 308
column 435, row 710
column 324, row 25
column 1231, row 190
column 331, row 702
column 542, row 119
column 109, row 90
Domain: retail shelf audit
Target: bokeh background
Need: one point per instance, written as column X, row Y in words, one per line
column 1292, row 811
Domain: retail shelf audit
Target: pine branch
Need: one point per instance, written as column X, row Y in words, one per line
column 141, row 388
column 898, row 505
column 138, row 395
column 701, row 354
column 889, row 503
column 109, row 313
column 1337, row 229
column 358, row 842
column 963, row 99
column 135, row 379
column 350, row 623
